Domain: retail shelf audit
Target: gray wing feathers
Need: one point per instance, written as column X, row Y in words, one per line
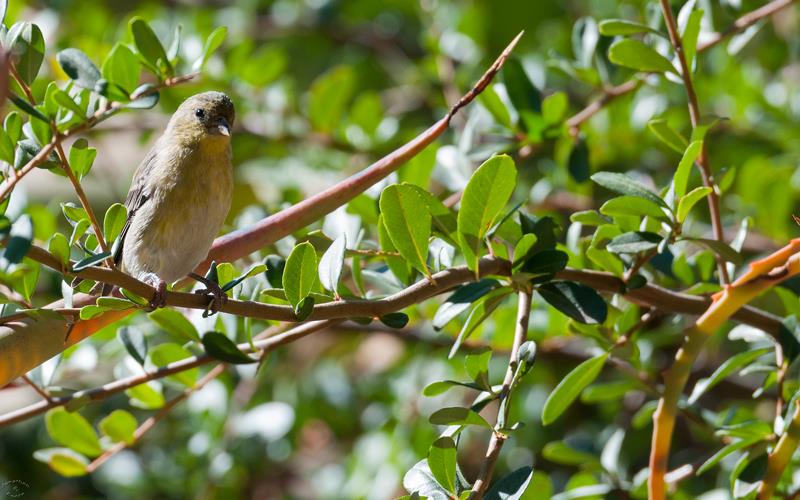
column 137, row 196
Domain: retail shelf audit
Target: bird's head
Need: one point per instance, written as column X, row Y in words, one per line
column 204, row 118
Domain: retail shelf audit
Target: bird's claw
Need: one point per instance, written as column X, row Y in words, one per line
column 217, row 298
column 159, row 298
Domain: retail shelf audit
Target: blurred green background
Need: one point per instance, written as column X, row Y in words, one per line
column 341, row 414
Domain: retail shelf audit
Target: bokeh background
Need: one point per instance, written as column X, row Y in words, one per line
column 341, row 414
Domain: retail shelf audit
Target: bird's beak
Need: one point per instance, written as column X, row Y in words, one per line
column 223, row 128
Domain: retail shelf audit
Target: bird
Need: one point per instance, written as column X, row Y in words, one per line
column 179, row 198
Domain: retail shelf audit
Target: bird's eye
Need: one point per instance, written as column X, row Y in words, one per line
column 200, row 113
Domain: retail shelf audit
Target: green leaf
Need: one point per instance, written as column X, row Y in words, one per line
column 144, row 97
column 512, row 486
column 442, row 386
column 6, row 147
column 461, row 300
column 420, row 481
column 26, row 107
column 300, row 273
column 632, row 205
column 59, row 247
column 79, row 68
column 63, row 461
column 13, row 126
column 73, row 431
column 622, row 184
column 690, row 34
column 122, row 68
column 81, row 157
column 577, row 301
column 689, row 200
column 569, row 388
column 73, row 212
column 578, row 162
column 560, row 452
column 681, row 179
column 252, row 271
column 724, row 452
column 175, row 324
column 484, row 307
column 731, row 365
column 408, row 223
column 114, row 303
column 622, row 27
column 589, row 218
column 443, row 218
column 486, row 194
column 523, row 251
column 399, row 266
column 636, row 55
column 545, row 262
column 135, row 343
column 167, row 353
column 633, row 242
column 149, row 46
column 331, row 263
column 492, row 102
column 442, row 461
column 554, row 107
column 119, row 425
column 330, row 94
column 608, row 391
column 394, row 320
column 27, row 45
column 521, row 92
column 145, row 396
column 668, row 135
column 114, row 220
column 274, row 273
column 458, row 416
column 213, row 42
column 720, row 248
column 477, row 366
column 65, row 101
column 219, row 346
column 20, row 240
column 90, row 261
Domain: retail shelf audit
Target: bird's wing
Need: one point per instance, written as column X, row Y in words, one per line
column 137, row 196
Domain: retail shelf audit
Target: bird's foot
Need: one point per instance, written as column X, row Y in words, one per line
column 217, row 297
column 160, row 297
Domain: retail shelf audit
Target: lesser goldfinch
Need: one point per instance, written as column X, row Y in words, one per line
column 179, row 197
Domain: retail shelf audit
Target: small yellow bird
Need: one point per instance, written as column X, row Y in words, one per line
column 179, row 198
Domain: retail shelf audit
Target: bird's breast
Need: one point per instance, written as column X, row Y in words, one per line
column 189, row 202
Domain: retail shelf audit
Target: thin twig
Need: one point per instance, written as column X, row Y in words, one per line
column 649, row 295
column 36, row 388
column 745, row 22
column 694, row 116
column 612, row 93
column 105, row 391
column 76, row 185
column 498, row 435
column 108, row 110
column 152, row 421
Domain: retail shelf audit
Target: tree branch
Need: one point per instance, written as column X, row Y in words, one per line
column 694, row 116
column 103, row 392
column 612, row 93
column 23, row 352
column 152, row 421
column 498, row 435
